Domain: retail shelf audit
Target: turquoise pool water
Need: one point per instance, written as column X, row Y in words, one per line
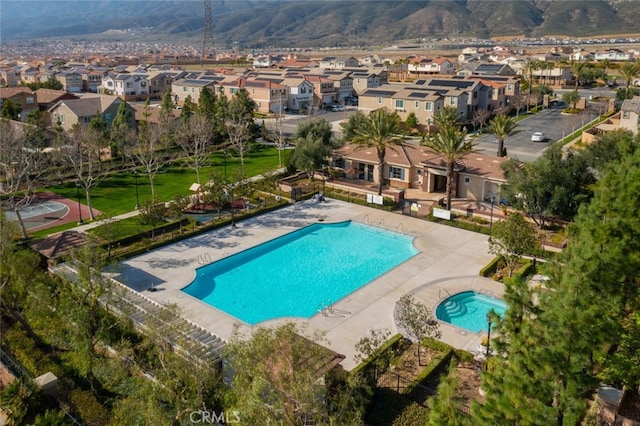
column 469, row 310
column 301, row 272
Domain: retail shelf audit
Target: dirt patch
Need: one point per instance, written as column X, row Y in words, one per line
column 469, row 382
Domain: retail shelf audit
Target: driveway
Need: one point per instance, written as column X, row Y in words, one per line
column 549, row 121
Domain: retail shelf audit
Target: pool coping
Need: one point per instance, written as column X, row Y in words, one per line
column 448, row 258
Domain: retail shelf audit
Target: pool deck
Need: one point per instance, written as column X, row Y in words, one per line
column 448, row 263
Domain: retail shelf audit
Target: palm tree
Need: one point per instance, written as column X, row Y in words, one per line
column 502, row 127
column 529, row 68
column 380, row 130
column 578, row 69
column 451, row 144
column 605, row 63
column 447, row 117
column 629, row 71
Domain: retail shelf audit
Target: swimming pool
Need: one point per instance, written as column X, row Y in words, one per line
column 469, row 310
column 301, row 272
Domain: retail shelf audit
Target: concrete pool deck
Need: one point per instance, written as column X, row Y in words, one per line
column 448, row 263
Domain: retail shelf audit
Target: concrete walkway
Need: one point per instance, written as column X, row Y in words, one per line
column 448, row 262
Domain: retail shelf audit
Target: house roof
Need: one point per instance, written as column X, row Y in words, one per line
column 154, row 114
column 631, row 105
column 88, row 105
column 9, row 92
column 416, row 155
column 47, row 96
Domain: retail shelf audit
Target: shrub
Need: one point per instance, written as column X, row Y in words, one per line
column 388, row 349
column 88, row 408
column 491, row 267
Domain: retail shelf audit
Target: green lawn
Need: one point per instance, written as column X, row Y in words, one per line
column 117, row 193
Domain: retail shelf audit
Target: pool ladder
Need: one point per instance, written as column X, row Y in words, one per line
column 440, row 293
column 204, row 259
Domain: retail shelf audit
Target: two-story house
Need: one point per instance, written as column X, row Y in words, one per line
column 10, row 76
column 429, row 66
column 424, row 103
column 324, row 90
column 191, row 87
column 338, row 62
column 300, row 94
column 71, row 81
column 270, row 96
column 630, row 114
column 126, row 86
column 22, row 96
column 69, row 112
column 368, row 78
column 343, row 84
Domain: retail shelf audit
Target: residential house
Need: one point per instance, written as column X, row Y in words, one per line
column 476, row 97
column 485, row 68
column 557, row 76
column 613, row 55
column 424, row 103
column 343, row 84
column 71, row 81
column 476, row 177
column 22, row 96
column 92, row 79
column 265, row 61
column 181, row 88
column 368, row 78
column 324, row 90
column 300, row 94
column 630, row 114
column 69, row 112
column 269, row 96
column 338, row 62
column 10, row 77
column 161, row 81
column 428, row 66
column 127, row 86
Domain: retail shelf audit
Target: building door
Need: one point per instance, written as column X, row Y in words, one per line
column 370, row 168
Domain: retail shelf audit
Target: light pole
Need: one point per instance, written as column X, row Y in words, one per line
column 233, row 221
column 493, row 201
column 225, row 165
column 488, row 340
column 80, row 221
column 135, row 175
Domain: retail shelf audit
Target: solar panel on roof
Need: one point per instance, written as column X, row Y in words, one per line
column 380, row 92
column 420, row 82
column 451, row 83
column 418, row 95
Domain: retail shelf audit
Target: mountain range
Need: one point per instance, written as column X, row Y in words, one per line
column 330, row 23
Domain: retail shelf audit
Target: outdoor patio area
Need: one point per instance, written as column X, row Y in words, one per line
column 448, row 262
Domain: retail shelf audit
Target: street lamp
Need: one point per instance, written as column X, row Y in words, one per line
column 80, row 221
column 135, row 175
column 225, row 165
column 493, row 201
column 233, row 221
column 488, row 338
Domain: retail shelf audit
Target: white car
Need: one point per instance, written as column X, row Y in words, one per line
column 538, row 137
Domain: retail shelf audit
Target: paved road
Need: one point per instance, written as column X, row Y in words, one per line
column 550, row 121
column 290, row 122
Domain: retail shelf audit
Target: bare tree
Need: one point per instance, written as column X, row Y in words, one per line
column 480, row 117
column 417, row 320
column 21, row 168
column 151, row 149
column 239, row 140
column 194, row 137
column 83, row 149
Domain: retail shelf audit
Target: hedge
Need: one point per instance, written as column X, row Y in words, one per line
column 390, row 345
column 434, row 368
column 490, row 267
column 475, row 227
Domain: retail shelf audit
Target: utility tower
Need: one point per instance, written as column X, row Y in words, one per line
column 207, row 44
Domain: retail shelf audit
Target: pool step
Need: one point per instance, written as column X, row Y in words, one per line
column 454, row 309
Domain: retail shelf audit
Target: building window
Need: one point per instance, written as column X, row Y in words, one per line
column 467, row 180
column 143, row 84
column 626, row 114
column 419, row 172
column 379, row 101
column 396, row 173
column 399, row 103
column 108, row 117
column 417, row 104
column 510, row 87
column 109, row 83
column 452, row 100
column 30, row 100
column 428, row 106
column 184, row 88
column 234, row 90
